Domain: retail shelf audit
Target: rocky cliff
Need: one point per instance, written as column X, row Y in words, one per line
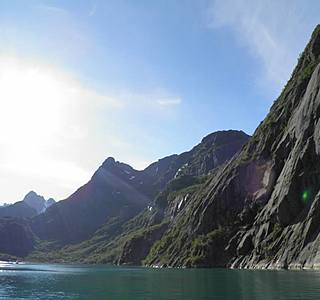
column 261, row 210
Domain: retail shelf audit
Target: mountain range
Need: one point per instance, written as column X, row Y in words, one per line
column 231, row 201
column 116, row 193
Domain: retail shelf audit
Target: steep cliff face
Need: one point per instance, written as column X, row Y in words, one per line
column 286, row 231
column 261, row 209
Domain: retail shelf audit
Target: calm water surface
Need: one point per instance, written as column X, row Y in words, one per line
column 46, row 281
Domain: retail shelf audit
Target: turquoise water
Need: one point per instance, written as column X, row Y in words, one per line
column 44, row 281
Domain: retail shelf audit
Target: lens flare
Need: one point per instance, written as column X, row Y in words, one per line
column 305, row 196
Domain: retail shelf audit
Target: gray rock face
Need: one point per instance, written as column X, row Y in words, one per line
column 285, row 230
column 294, row 202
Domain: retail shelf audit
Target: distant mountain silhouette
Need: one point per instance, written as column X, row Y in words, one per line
column 37, row 202
column 30, row 206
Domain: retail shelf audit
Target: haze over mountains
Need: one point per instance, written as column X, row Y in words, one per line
column 231, row 201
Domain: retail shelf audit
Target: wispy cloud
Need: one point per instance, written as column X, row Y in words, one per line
column 52, row 9
column 156, row 99
column 259, row 25
column 169, row 102
column 93, row 10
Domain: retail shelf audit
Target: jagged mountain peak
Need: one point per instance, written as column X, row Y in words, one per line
column 50, row 201
column 111, row 164
column 37, row 202
column 110, row 161
column 31, row 194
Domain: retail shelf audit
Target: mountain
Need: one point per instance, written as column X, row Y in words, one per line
column 30, row 206
column 261, row 210
column 116, row 195
column 37, row 202
column 117, row 191
column 231, row 201
column 258, row 210
column 103, row 210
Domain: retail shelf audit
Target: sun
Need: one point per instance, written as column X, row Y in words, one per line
column 43, row 111
column 32, row 101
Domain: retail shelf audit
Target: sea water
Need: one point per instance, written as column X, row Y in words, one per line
column 50, row 281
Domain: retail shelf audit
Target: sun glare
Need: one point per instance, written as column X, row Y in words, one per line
column 32, row 104
column 40, row 107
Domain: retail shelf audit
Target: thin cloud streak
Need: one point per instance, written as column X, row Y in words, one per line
column 93, row 10
column 259, row 26
column 154, row 100
column 168, row 102
column 53, row 9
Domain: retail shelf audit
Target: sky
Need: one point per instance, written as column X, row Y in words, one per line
column 82, row 80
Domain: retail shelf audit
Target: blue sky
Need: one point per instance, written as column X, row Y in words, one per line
column 137, row 80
